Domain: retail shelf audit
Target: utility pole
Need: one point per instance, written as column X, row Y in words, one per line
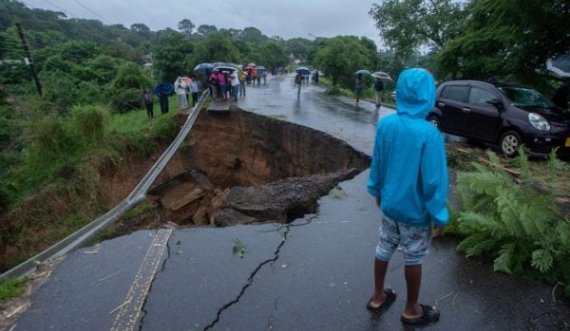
column 28, row 58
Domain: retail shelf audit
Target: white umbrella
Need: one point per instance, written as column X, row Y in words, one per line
column 560, row 65
column 381, row 75
column 362, row 72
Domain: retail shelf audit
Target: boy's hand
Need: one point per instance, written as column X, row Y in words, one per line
column 437, row 232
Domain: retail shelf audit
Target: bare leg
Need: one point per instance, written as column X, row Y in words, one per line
column 413, row 275
column 380, row 268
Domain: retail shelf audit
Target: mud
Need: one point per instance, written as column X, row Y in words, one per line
column 245, row 168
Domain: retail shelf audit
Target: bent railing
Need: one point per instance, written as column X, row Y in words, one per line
column 137, row 196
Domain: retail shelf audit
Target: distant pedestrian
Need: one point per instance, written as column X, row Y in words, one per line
column 180, row 89
column 195, row 90
column 214, row 84
column 234, row 81
column 408, row 178
column 358, row 86
column 162, row 91
column 242, row 82
column 253, row 75
column 316, row 77
column 249, row 75
column 223, row 84
column 378, row 88
column 148, row 101
column 298, row 82
column 264, row 77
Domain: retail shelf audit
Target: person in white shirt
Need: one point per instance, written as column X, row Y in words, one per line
column 180, row 89
column 195, row 89
column 234, row 79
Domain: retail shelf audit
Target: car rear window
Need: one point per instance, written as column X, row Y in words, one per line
column 455, row 93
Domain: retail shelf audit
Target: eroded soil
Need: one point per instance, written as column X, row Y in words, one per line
column 244, row 168
column 234, row 168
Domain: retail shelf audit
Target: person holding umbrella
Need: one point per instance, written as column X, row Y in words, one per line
column 162, row 90
column 378, row 87
column 359, row 84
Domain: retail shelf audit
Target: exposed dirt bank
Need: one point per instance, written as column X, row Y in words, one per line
column 234, row 168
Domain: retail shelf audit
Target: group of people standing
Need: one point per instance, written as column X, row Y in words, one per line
column 253, row 75
column 226, row 84
column 183, row 86
column 378, row 88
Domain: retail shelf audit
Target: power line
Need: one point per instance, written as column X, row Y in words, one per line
column 91, row 11
column 58, row 7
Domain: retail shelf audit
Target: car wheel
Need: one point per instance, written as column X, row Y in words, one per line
column 434, row 120
column 509, row 143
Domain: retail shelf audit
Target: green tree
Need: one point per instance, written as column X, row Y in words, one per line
column 186, row 26
column 298, row 48
column 273, row 55
column 341, row 56
column 127, row 87
column 407, row 25
column 507, row 38
column 204, row 30
column 217, row 47
column 141, row 28
column 171, row 55
column 252, row 35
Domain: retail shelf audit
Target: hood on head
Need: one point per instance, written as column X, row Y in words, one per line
column 415, row 93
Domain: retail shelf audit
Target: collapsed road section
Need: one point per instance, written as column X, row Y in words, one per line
column 242, row 168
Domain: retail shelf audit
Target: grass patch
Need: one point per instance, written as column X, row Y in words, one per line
column 367, row 93
column 278, row 117
column 142, row 208
column 337, row 193
column 11, row 288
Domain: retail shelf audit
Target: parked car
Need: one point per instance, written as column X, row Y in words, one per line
column 503, row 115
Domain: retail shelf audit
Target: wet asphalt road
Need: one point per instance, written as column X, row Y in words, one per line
column 313, row 274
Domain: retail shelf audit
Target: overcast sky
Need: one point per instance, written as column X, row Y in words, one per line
column 283, row 18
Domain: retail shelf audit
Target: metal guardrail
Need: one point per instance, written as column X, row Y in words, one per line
column 137, row 196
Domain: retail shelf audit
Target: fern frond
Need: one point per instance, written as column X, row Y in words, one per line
column 503, row 262
column 542, row 260
column 473, row 222
column 482, row 247
column 471, row 241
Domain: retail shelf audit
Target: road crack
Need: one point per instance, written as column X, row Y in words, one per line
column 249, row 281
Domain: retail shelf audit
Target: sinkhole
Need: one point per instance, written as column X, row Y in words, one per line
column 242, row 168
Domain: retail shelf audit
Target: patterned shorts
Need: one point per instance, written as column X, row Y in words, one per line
column 414, row 240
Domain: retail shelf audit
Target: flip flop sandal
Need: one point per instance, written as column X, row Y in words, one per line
column 390, row 298
column 430, row 314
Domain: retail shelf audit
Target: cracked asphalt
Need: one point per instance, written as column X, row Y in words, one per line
column 313, row 274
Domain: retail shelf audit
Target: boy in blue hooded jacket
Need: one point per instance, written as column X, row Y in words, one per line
column 408, row 177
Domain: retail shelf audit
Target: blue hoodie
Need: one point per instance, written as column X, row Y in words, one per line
column 409, row 169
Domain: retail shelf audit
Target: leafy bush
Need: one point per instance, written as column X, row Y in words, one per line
column 90, row 123
column 126, row 100
column 59, row 90
column 126, row 89
column 517, row 223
